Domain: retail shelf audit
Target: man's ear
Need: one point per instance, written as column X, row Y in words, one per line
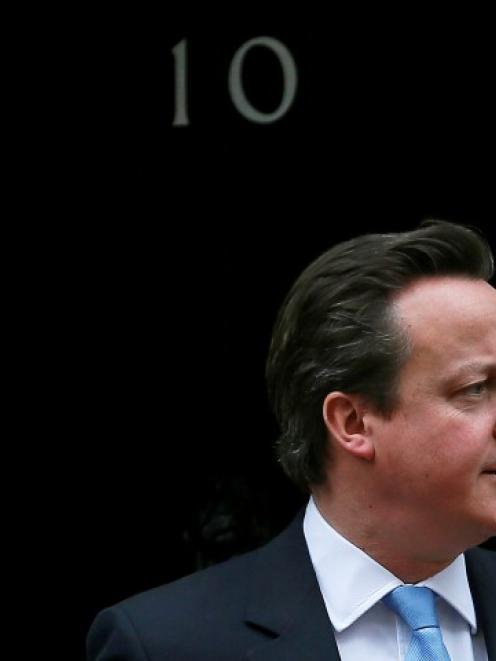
column 344, row 417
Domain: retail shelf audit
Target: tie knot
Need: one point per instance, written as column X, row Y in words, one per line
column 414, row 604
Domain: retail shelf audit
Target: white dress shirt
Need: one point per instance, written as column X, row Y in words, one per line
column 353, row 584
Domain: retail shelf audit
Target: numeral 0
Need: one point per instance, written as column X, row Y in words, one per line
column 235, row 85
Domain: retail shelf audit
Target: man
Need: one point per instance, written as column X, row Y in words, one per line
column 382, row 374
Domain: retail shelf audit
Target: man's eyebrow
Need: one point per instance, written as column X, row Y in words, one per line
column 475, row 367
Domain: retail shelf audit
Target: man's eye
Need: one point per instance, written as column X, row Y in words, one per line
column 475, row 388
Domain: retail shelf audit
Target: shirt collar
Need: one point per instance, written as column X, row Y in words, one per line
column 452, row 585
column 351, row 581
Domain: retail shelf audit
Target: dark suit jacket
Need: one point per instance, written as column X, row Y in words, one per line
column 265, row 605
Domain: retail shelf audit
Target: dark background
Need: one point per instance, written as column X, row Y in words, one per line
column 186, row 239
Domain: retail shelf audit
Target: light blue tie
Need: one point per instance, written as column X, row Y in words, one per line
column 415, row 605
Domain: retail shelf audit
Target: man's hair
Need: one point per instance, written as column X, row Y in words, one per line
column 336, row 330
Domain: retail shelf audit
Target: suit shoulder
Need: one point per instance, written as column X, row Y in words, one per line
column 224, row 585
column 221, row 583
column 200, row 616
column 183, row 619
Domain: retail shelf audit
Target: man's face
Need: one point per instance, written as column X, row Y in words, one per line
column 436, row 455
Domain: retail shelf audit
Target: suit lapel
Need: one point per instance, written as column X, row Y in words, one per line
column 285, row 601
column 310, row 638
column 481, row 572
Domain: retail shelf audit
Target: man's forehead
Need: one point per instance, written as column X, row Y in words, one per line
column 444, row 299
column 449, row 317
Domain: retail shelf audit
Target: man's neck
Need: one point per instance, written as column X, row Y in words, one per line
column 390, row 546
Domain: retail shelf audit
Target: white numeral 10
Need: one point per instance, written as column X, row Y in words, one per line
column 235, row 85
